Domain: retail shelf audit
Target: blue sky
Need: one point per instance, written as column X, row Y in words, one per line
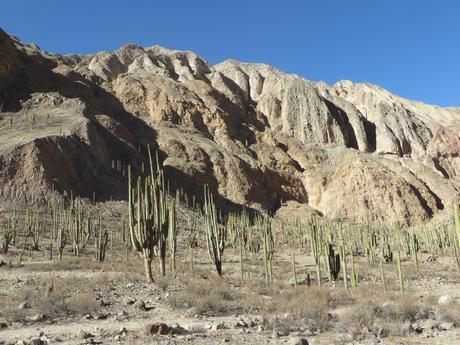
column 411, row 47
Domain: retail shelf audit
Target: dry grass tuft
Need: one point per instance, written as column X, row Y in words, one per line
column 213, row 296
column 407, row 308
column 449, row 312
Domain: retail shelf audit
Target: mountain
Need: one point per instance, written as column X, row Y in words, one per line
column 260, row 138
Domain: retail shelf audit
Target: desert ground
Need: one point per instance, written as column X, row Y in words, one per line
column 77, row 300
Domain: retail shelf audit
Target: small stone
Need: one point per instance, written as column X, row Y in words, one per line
column 101, row 316
column 139, row 304
column 3, row 324
column 38, row 317
column 158, row 328
column 217, row 326
column 415, row 327
column 445, row 299
column 36, row 341
column 24, row 305
column 429, row 324
column 445, row 326
column 298, row 341
column 240, row 324
column 129, row 301
column 85, row 335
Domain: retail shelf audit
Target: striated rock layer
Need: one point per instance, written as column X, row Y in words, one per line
column 259, row 137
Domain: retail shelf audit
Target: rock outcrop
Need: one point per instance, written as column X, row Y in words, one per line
column 259, row 137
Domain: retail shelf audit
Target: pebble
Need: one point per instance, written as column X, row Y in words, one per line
column 139, row 304
column 298, row 341
column 445, row 299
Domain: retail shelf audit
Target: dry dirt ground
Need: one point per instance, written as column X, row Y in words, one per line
column 79, row 301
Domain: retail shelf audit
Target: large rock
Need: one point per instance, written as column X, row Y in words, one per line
column 257, row 136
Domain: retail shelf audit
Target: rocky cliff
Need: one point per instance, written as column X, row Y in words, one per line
column 259, row 137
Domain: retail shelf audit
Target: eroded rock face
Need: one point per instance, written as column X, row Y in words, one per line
column 257, row 136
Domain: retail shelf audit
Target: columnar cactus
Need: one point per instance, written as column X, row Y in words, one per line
column 414, row 248
column 315, row 241
column 172, row 230
column 143, row 234
column 332, row 261
column 61, row 241
column 268, row 246
column 100, row 242
column 80, row 227
column 400, row 273
column 343, row 258
column 215, row 232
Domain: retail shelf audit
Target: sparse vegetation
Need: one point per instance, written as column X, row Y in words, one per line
column 313, row 274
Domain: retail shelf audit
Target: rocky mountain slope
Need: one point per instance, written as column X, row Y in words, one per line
column 259, row 137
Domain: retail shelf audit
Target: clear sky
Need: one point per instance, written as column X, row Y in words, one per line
column 411, row 47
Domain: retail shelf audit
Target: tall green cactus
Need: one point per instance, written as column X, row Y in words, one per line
column 400, row 273
column 457, row 222
column 343, row 258
column 315, row 241
column 382, row 275
column 215, row 232
column 172, row 230
column 100, row 241
column 414, row 248
column 332, row 261
column 61, row 240
column 268, row 247
column 151, row 217
column 143, row 234
column 80, row 226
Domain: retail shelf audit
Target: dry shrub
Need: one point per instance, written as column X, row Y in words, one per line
column 9, row 308
column 54, row 297
column 405, row 309
column 81, row 304
column 311, row 304
column 207, row 297
column 357, row 319
column 162, row 282
column 340, row 296
column 364, row 309
column 260, row 287
column 61, row 302
column 449, row 312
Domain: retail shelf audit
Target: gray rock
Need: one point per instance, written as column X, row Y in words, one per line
column 446, row 326
column 85, row 335
column 38, row 317
column 139, row 304
column 101, row 316
column 129, row 301
column 240, row 323
column 24, row 305
column 36, row 341
column 298, row 341
column 445, row 299
column 429, row 324
column 159, row 328
column 3, row 324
